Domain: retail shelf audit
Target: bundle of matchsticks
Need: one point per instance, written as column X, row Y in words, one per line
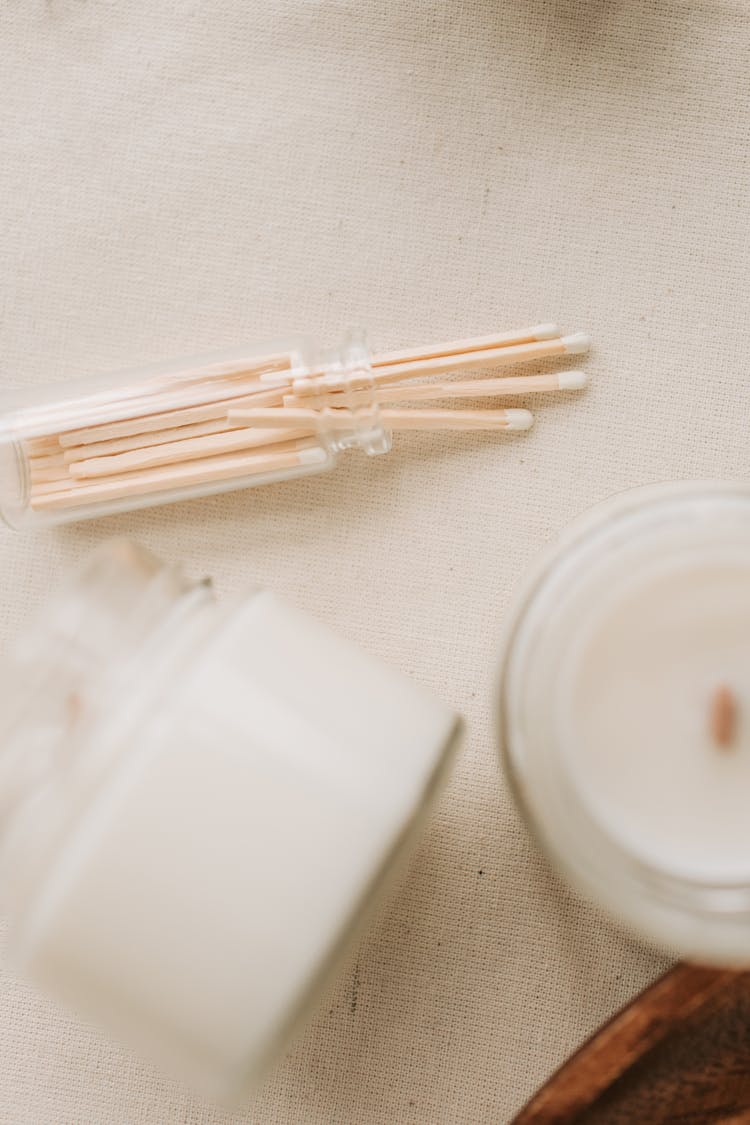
column 204, row 427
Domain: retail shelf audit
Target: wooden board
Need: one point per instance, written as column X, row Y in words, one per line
column 679, row 1054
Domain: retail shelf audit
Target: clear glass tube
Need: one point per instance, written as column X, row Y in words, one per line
column 660, row 863
column 108, row 444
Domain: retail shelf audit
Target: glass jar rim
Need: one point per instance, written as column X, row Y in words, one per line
column 86, row 669
column 706, row 920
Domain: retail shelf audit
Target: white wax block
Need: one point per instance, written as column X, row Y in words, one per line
column 382, row 723
column 211, row 885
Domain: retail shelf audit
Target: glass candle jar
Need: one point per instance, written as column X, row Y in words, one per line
column 196, row 803
column 112, row 443
column 624, row 713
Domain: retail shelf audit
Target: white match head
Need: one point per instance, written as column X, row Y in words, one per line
column 572, row 380
column 577, row 343
column 546, row 331
column 519, row 419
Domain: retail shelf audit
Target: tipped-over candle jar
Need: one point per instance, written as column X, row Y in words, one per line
column 625, row 713
column 197, row 801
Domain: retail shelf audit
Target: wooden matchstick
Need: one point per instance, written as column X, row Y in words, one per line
column 459, row 388
column 165, row 419
column 41, row 446
column 390, row 419
column 209, row 383
column 146, row 439
column 477, row 343
column 234, row 467
column 439, row 365
column 190, row 449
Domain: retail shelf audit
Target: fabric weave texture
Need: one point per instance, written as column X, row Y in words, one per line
column 184, row 176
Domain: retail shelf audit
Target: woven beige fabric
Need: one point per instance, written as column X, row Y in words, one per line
column 181, row 176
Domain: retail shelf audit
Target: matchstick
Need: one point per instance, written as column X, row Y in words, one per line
column 459, row 388
column 174, row 452
column 390, row 419
column 175, row 477
column 165, row 419
column 477, row 343
column 475, row 358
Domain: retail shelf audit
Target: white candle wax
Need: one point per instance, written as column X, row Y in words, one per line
column 629, row 636
column 635, row 710
column 215, row 794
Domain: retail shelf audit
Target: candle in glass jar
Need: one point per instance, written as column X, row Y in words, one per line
column 626, row 713
column 198, row 803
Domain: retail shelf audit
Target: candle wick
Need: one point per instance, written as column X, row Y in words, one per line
column 723, row 717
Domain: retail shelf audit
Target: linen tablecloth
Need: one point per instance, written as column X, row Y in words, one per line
column 183, row 176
